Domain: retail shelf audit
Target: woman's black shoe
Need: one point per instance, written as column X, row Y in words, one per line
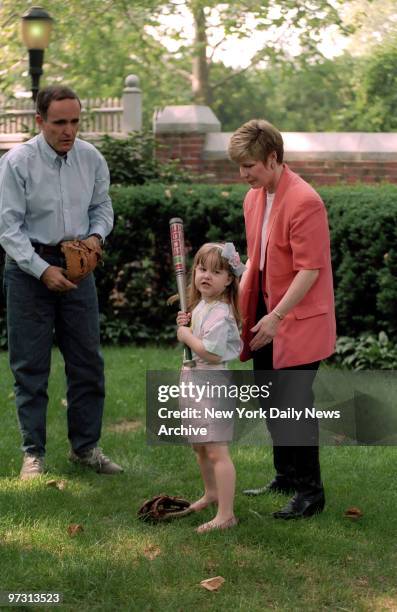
column 302, row 505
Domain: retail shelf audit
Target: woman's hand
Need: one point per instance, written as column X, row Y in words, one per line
column 183, row 318
column 264, row 331
column 183, row 334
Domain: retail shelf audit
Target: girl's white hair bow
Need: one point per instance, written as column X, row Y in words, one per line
column 229, row 252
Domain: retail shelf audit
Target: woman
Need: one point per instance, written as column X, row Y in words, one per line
column 287, row 301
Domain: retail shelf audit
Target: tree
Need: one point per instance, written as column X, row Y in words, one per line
column 303, row 20
column 97, row 42
column 373, row 23
column 307, row 97
column 377, row 102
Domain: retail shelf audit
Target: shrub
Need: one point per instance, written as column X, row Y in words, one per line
column 137, row 278
column 139, row 269
column 132, row 161
column 367, row 352
column 363, row 222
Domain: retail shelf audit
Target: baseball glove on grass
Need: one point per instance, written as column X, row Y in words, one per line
column 163, row 507
column 81, row 259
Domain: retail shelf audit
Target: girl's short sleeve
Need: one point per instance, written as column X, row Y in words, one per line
column 216, row 331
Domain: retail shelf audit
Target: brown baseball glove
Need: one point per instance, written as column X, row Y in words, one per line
column 163, row 507
column 81, row 259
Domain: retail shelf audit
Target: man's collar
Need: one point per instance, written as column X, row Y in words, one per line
column 50, row 155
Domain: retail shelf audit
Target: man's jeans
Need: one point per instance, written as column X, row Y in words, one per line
column 33, row 312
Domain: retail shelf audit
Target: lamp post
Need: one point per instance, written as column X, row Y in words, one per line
column 36, row 29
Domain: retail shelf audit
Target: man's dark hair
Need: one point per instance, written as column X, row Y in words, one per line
column 51, row 93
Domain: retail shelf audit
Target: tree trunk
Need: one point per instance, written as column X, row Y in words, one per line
column 200, row 68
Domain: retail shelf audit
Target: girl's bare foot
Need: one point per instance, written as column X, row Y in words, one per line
column 202, row 503
column 217, row 524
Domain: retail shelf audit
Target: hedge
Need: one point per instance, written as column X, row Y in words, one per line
column 137, row 276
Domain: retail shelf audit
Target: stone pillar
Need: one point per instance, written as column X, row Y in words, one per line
column 181, row 132
column 132, row 105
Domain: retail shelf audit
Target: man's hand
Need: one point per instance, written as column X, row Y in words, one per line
column 264, row 331
column 93, row 243
column 55, row 280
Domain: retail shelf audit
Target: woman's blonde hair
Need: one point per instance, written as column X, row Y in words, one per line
column 209, row 256
column 256, row 140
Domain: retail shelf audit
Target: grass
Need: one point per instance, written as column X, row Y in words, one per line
column 118, row 563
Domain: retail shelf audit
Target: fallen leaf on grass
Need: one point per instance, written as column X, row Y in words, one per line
column 152, row 551
column 64, row 403
column 353, row 513
column 57, row 484
column 363, row 581
column 212, row 584
column 11, row 395
column 126, row 425
column 74, row 529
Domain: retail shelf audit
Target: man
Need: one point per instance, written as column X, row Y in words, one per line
column 53, row 188
column 287, row 305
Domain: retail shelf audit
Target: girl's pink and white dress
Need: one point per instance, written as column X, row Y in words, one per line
column 214, row 324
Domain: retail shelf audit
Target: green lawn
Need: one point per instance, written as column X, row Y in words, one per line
column 118, row 563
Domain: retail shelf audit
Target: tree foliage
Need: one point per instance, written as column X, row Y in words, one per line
column 306, row 97
column 282, row 20
column 94, row 45
column 378, row 92
column 97, row 43
column 373, row 23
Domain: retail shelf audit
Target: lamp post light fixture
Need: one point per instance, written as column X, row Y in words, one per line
column 36, row 30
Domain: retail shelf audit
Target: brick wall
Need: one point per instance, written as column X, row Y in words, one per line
column 346, row 166
column 186, row 147
column 332, row 172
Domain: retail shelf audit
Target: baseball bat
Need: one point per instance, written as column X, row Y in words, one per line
column 178, row 258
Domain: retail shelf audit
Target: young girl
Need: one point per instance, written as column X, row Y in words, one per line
column 214, row 339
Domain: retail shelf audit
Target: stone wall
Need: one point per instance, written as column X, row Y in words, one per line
column 192, row 135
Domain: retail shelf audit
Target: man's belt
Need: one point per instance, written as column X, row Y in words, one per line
column 47, row 249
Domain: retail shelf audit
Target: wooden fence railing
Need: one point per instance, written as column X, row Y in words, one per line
column 99, row 115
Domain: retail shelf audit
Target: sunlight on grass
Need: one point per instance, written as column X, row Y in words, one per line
column 119, row 563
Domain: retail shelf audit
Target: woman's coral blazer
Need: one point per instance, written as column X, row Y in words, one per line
column 297, row 239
